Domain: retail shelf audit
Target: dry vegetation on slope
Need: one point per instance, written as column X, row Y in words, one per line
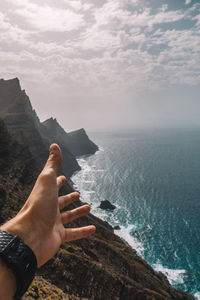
column 102, row 267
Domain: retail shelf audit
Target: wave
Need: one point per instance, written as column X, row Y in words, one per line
column 84, row 165
column 80, row 180
column 125, row 233
column 174, row 276
column 83, row 180
column 197, row 295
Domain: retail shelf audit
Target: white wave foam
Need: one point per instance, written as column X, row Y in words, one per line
column 86, row 195
column 85, row 176
column 88, row 192
column 80, row 179
column 197, row 295
column 88, row 181
column 174, row 275
column 84, row 166
column 124, row 233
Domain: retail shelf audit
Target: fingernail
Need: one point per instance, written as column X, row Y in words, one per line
column 53, row 149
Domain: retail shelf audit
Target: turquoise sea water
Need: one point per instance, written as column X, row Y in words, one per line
column 153, row 177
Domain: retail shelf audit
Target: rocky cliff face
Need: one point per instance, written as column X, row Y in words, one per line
column 100, row 267
column 77, row 141
column 24, row 125
column 17, row 113
column 52, row 132
column 17, row 168
column 80, row 143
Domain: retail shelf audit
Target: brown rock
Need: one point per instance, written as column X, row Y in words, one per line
column 102, row 267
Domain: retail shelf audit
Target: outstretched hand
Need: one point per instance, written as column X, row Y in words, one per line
column 39, row 223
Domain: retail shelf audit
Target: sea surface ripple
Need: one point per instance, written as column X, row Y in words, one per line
column 153, row 177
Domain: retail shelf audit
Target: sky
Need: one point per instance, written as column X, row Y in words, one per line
column 105, row 65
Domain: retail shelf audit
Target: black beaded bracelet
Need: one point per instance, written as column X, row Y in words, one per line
column 20, row 259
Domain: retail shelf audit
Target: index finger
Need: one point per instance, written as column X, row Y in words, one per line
column 72, row 234
column 54, row 160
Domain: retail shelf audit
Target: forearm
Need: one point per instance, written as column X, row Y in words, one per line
column 7, row 282
column 16, row 230
column 35, row 234
column 22, row 226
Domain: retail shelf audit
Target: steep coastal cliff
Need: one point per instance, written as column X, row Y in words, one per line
column 77, row 141
column 23, row 123
column 101, row 267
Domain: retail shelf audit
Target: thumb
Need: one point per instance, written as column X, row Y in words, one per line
column 55, row 158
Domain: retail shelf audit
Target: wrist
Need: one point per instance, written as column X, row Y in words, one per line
column 20, row 259
column 8, row 285
column 21, row 227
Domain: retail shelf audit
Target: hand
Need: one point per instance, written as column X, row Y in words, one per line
column 39, row 223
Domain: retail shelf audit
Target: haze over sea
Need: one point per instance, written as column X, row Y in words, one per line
column 153, row 177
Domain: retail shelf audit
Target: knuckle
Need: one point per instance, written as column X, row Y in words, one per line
column 66, row 201
column 46, row 174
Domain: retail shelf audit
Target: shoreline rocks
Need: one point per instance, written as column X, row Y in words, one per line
column 106, row 205
column 102, row 266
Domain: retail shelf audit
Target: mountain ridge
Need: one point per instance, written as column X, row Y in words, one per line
column 23, row 123
column 101, row 267
column 77, row 141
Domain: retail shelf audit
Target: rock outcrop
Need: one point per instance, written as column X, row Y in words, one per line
column 107, row 205
column 23, row 123
column 117, row 227
column 100, row 267
column 21, row 120
column 77, row 141
column 80, row 143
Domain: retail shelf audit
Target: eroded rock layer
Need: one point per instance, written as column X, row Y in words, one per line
column 101, row 267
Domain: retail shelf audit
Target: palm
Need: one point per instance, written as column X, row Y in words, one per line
column 45, row 207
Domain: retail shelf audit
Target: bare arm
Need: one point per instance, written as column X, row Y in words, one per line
column 40, row 224
column 7, row 282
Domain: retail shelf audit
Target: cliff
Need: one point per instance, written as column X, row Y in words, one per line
column 100, row 267
column 17, row 113
column 23, row 123
column 80, row 143
column 77, row 141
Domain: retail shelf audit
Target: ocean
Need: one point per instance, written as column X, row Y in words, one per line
column 153, row 178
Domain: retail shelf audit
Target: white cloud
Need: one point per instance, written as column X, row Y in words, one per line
column 188, row 2
column 78, row 5
column 110, row 49
column 46, row 18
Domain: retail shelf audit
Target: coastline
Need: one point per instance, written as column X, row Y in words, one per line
column 110, row 267
column 174, row 276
